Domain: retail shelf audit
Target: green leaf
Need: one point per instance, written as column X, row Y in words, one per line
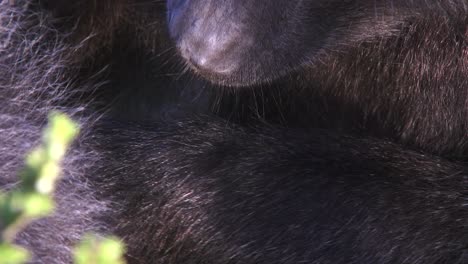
column 96, row 250
column 58, row 135
column 8, row 212
column 37, row 205
column 10, row 254
column 33, row 200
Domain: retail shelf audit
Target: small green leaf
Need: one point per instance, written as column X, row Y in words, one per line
column 37, row 205
column 10, row 254
column 48, row 175
column 96, row 250
column 58, row 135
column 32, row 200
column 8, row 211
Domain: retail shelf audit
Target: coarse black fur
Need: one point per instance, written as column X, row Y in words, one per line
column 340, row 135
column 393, row 69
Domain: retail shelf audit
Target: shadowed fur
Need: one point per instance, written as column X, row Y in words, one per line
column 350, row 149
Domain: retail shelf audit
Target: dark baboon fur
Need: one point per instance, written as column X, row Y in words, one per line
column 252, row 131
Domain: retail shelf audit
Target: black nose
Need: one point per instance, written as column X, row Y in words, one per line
column 203, row 35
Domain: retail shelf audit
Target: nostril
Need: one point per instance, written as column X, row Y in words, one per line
column 201, row 40
column 205, row 59
column 193, row 52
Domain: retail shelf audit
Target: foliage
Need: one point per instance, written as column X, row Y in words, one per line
column 32, row 199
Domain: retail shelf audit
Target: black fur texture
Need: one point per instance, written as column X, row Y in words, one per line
column 392, row 69
column 249, row 131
